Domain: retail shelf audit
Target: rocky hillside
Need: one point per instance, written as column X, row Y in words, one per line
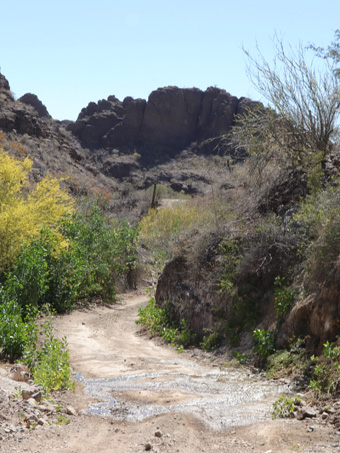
column 223, row 278
column 117, row 149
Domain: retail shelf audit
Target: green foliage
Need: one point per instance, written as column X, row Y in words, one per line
column 158, row 322
column 186, row 336
column 106, row 251
column 241, row 358
column 49, row 363
column 83, row 258
column 211, row 340
column 16, row 330
column 284, row 407
column 319, row 216
column 264, row 342
column 326, row 372
column 27, row 281
column 284, row 297
column 232, row 253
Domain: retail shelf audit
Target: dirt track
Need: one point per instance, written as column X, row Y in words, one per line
column 151, row 397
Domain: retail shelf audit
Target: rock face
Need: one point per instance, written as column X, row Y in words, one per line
column 318, row 316
column 14, row 115
column 191, row 291
column 172, row 118
column 34, row 101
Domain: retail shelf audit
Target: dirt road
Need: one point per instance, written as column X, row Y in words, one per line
column 135, row 394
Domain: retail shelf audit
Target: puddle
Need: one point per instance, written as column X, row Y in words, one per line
column 221, row 399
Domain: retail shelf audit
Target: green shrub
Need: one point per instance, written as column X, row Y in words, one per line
column 107, row 251
column 284, row 407
column 186, row 336
column 50, row 362
column 81, row 259
column 284, row 297
column 158, row 322
column 211, row 340
column 16, row 330
column 326, row 371
column 241, row 358
column 232, row 254
column 264, row 342
column 47, row 270
column 27, row 281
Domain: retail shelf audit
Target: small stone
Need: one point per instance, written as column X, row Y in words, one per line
column 37, row 396
column 46, row 407
column 27, row 394
column 147, row 446
column 158, row 433
column 310, row 429
column 305, row 412
column 71, row 411
column 32, row 402
column 32, row 420
column 324, row 415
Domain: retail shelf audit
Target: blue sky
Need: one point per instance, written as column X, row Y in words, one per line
column 72, row 52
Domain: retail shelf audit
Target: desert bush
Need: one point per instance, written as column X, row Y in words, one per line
column 48, row 357
column 158, row 321
column 301, row 118
column 211, row 340
column 15, row 329
column 107, row 250
column 22, row 215
column 160, row 229
column 319, row 217
column 283, row 297
column 285, row 406
column 325, row 378
column 82, row 258
column 264, row 342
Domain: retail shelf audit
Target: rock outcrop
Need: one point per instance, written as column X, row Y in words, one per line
column 4, row 84
column 171, row 118
column 34, row 101
column 191, row 296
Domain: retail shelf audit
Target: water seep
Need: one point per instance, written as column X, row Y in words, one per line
column 220, row 398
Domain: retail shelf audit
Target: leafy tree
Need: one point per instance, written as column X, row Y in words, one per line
column 299, row 123
column 23, row 213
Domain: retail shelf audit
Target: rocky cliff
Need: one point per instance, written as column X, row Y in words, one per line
column 172, row 118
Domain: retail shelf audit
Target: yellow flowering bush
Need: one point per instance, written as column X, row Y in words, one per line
column 23, row 213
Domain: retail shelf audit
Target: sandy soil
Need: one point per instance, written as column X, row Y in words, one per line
column 106, row 344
